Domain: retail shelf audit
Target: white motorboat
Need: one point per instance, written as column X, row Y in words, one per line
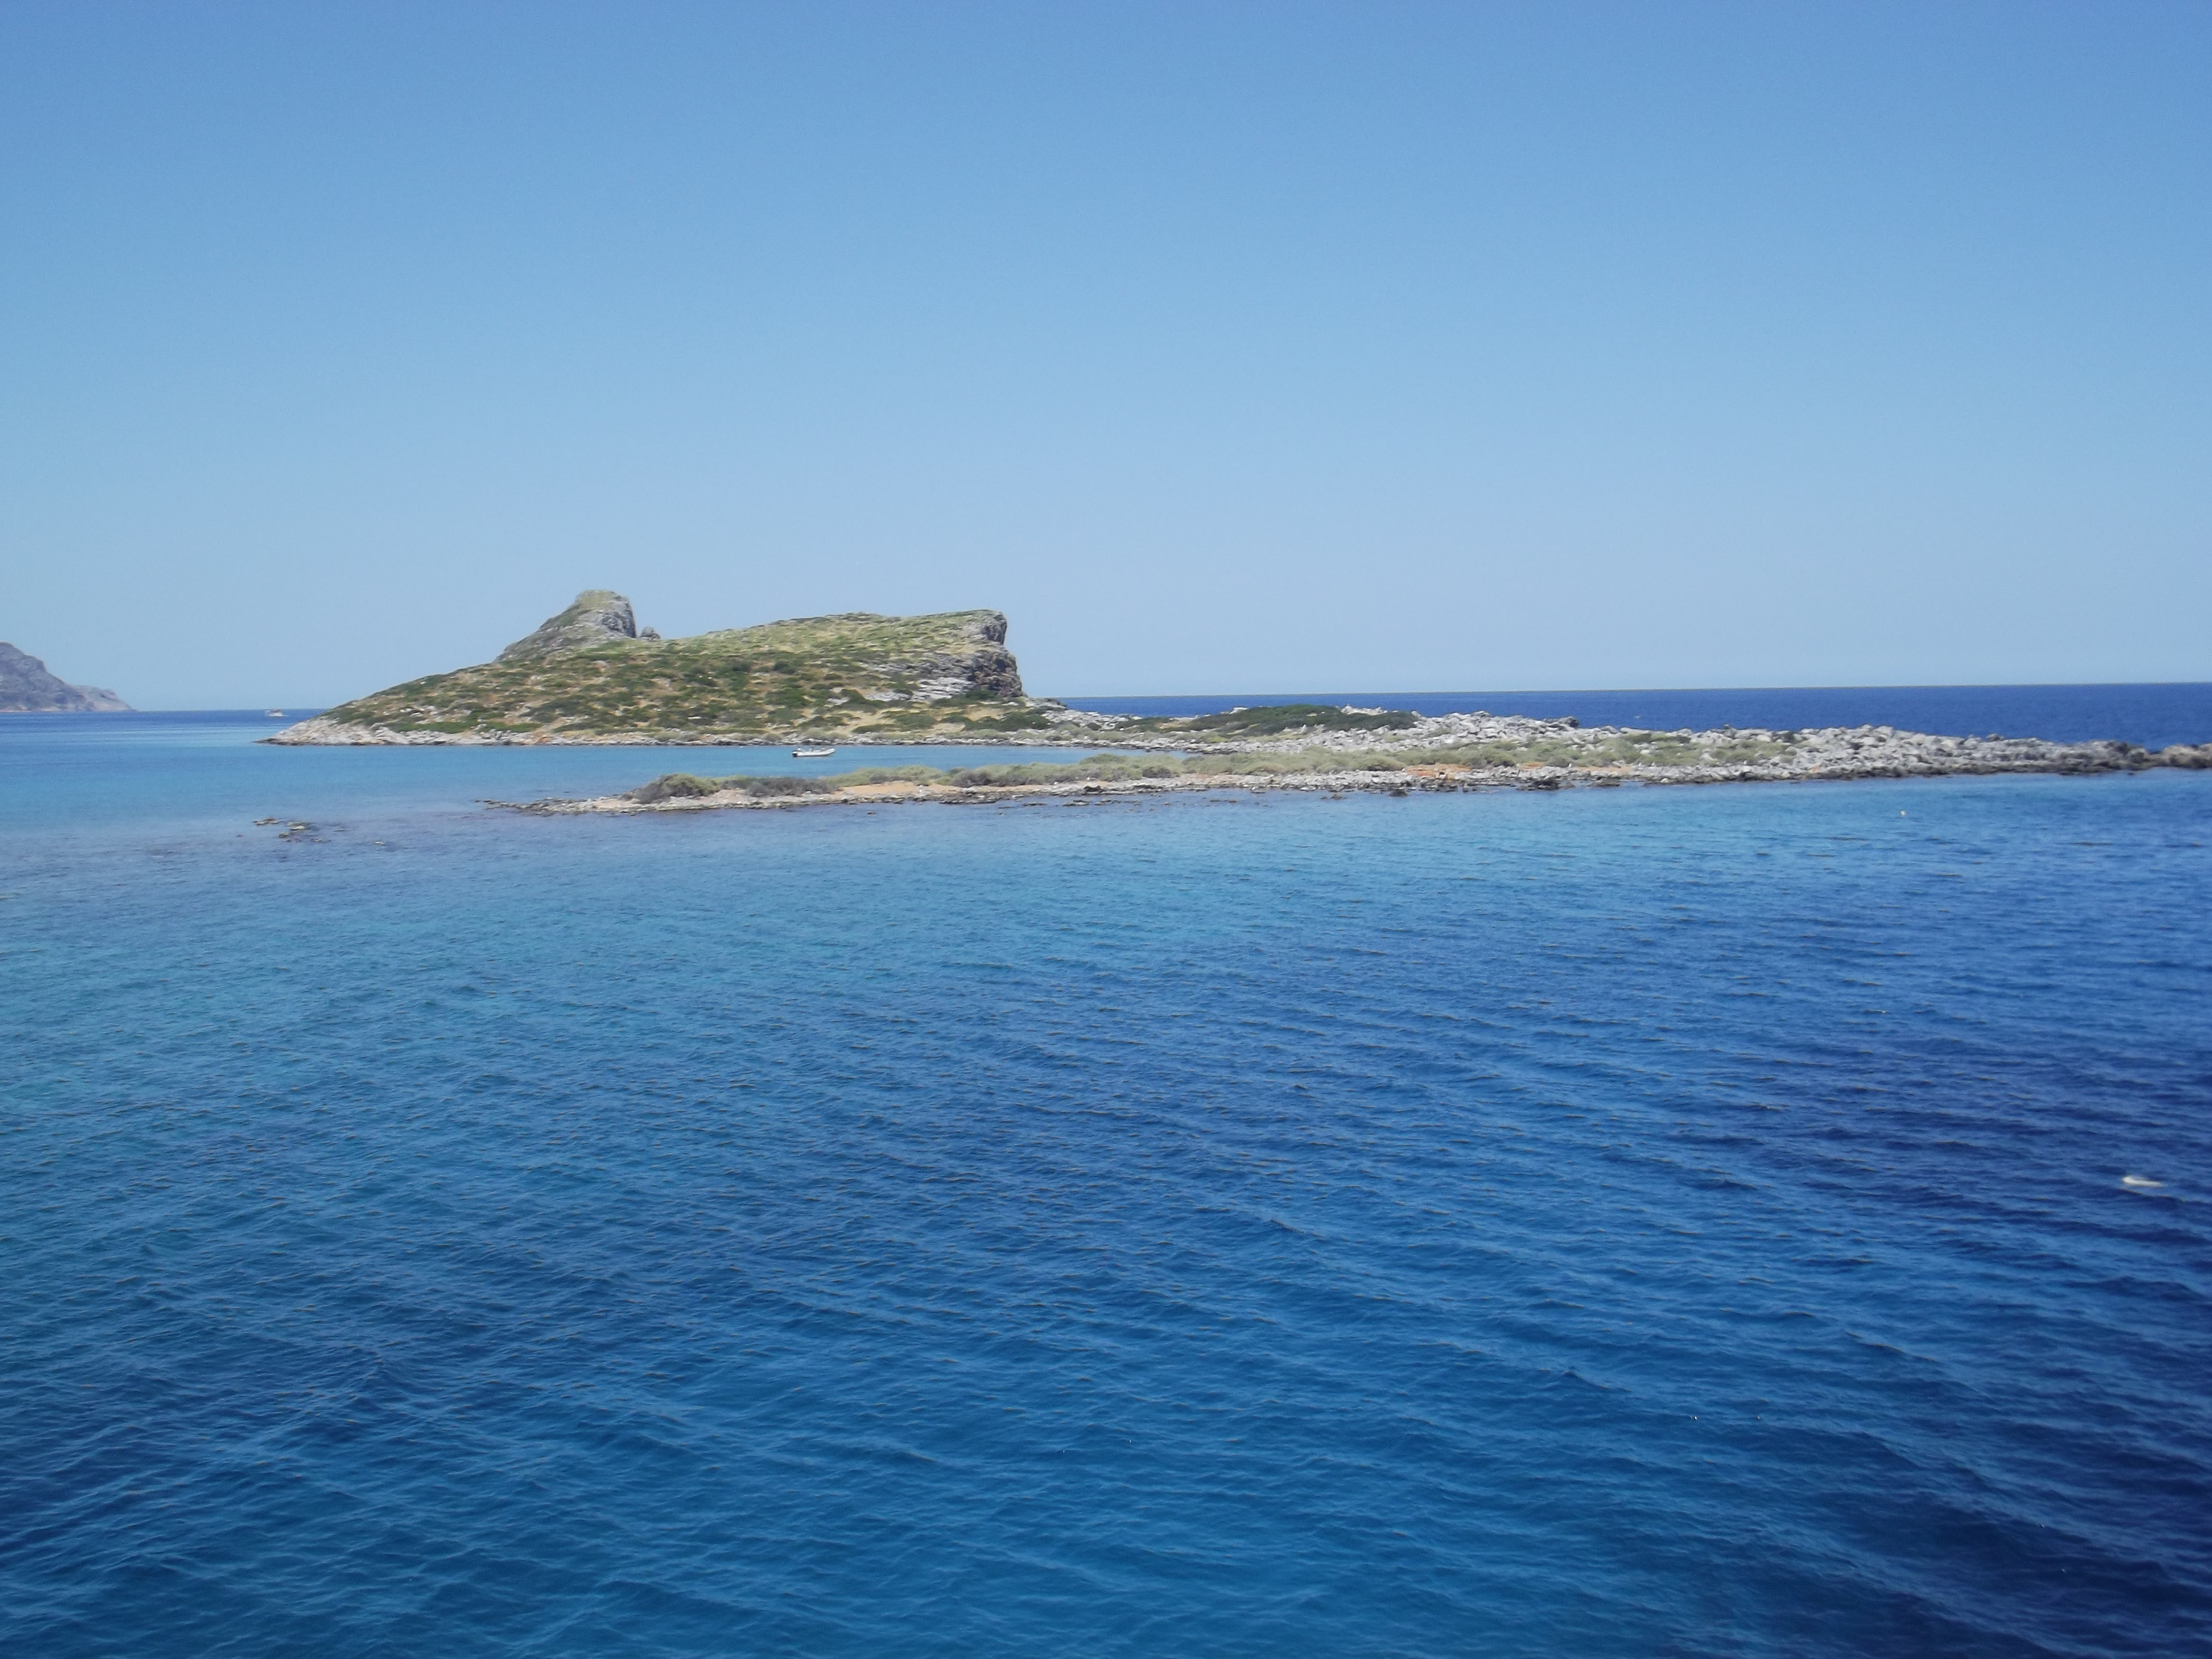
column 276, row 713
column 811, row 754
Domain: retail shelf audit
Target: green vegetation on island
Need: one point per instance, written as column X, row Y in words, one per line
column 589, row 672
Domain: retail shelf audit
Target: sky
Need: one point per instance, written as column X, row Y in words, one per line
column 1224, row 346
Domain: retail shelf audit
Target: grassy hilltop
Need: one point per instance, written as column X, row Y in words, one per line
column 589, row 671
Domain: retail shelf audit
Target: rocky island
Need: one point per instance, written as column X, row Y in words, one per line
column 27, row 688
column 590, row 675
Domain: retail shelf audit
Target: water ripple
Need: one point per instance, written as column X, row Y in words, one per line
column 1547, row 1226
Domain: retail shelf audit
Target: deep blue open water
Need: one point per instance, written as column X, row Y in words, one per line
column 1684, row 1221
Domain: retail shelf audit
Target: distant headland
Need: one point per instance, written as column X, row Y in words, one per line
column 27, row 688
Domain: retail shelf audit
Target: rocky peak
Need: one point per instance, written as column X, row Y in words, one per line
column 598, row 617
column 26, row 687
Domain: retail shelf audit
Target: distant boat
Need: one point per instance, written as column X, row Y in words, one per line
column 811, row 754
column 276, row 713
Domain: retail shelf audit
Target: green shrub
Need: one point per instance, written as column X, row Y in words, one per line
column 1269, row 720
column 887, row 775
column 674, row 786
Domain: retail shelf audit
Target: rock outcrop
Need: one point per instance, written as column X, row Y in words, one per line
column 27, row 687
column 598, row 617
column 969, row 660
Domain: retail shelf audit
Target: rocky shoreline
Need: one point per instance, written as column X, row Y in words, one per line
column 1424, row 763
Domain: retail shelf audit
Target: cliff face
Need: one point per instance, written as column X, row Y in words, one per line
column 26, row 687
column 589, row 674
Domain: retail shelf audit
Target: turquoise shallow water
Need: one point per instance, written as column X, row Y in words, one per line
column 1638, row 1221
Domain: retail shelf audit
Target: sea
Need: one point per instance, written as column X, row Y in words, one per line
column 1739, row 1221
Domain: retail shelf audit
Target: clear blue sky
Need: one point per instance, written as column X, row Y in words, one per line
column 1224, row 346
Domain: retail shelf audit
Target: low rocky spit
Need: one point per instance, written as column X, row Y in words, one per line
column 1431, row 761
column 1814, row 752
